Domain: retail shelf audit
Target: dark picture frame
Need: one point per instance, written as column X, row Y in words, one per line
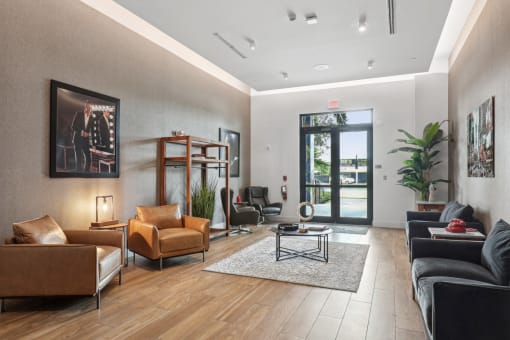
column 480, row 148
column 84, row 133
column 234, row 140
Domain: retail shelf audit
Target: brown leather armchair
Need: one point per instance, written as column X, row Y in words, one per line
column 161, row 231
column 44, row 260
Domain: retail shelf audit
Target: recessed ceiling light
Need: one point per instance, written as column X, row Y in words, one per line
column 362, row 23
column 370, row 64
column 321, row 67
column 311, row 19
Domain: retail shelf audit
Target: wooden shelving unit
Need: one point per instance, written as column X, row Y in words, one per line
column 188, row 162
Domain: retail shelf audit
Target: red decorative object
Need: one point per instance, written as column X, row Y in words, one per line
column 238, row 199
column 456, row 225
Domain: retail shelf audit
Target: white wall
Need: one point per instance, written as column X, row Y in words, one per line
column 158, row 92
column 482, row 70
column 431, row 104
column 275, row 136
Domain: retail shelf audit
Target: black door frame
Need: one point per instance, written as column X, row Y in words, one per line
column 335, row 185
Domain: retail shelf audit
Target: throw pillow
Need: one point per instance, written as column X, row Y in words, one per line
column 164, row 216
column 42, row 230
column 496, row 252
column 456, row 210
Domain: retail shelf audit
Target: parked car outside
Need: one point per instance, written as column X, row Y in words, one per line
column 347, row 180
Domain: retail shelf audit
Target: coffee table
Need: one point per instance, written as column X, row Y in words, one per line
column 320, row 253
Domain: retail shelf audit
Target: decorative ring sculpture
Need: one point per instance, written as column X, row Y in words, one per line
column 305, row 218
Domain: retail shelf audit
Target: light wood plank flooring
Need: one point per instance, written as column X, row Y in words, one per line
column 184, row 302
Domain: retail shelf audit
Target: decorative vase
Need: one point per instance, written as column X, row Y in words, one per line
column 432, row 192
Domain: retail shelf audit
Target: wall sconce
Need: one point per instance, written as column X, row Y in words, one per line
column 104, row 211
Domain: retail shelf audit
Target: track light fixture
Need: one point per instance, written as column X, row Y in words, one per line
column 285, row 75
column 311, row 19
column 370, row 64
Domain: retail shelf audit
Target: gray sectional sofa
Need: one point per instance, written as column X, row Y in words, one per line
column 462, row 287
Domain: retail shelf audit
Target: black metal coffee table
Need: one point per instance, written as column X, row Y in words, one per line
column 320, row 253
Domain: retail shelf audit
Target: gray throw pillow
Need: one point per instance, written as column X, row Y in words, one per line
column 456, row 210
column 496, row 252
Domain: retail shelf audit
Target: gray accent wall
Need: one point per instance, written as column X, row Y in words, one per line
column 482, row 70
column 70, row 42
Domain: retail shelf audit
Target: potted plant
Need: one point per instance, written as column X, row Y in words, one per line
column 202, row 198
column 416, row 172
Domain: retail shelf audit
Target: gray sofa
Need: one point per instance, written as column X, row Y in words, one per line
column 418, row 222
column 462, row 287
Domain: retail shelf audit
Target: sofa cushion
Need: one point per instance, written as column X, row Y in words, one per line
column 175, row 239
column 109, row 258
column 164, row 216
column 424, row 292
column 456, row 210
column 431, row 266
column 496, row 252
column 42, row 230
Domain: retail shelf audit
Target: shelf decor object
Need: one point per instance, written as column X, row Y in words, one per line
column 104, row 212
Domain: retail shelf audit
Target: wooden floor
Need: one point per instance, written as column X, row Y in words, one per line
column 184, row 302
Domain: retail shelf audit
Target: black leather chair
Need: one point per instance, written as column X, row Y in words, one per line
column 239, row 216
column 463, row 287
column 258, row 198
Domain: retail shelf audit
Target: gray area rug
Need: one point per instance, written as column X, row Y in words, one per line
column 342, row 272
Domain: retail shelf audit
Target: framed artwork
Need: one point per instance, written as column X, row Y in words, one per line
column 480, row 134
column 232, row 138
column 84, row 133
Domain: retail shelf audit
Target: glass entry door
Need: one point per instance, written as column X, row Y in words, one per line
column 336, row 172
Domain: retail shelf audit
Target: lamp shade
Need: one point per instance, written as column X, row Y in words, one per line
column 104, row 211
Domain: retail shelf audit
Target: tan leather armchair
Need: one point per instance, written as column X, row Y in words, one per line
column 74, row 262
column 161, row 231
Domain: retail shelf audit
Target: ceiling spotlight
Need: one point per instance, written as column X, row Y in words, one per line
column 362, row 23
column 311, row 19
column 251, row 43
column 370, row 64
column 321, row 67
column 291, row 15
column 285, row 75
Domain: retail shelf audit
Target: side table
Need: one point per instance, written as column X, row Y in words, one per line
column 443, row 234
column 119, row 226
column 430, row 206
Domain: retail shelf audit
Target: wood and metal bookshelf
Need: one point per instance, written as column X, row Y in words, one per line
column 204, row 163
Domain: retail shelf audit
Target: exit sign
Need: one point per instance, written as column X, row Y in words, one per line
column 333, row 104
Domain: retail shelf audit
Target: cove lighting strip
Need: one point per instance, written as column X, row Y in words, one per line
column 127, row 19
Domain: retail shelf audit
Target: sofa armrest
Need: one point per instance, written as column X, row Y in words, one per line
column 469, row 311
column 198, row 224
column 422, row 215
column 257, row 207
column 48, row 270
column 469, row 251
column 144, row 239
column 96, row 237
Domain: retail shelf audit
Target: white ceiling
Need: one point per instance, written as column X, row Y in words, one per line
column 294, row 47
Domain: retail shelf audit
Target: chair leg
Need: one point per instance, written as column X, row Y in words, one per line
column 120, row 277
column 2, row 308
column 98, row 299
column 134, row 257
column 203, row 255
column 161, row 264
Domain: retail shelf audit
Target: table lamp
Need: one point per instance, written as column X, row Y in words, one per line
column 104, row 211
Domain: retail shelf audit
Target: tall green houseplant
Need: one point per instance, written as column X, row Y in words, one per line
column 202, row 198
column 416, row 172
